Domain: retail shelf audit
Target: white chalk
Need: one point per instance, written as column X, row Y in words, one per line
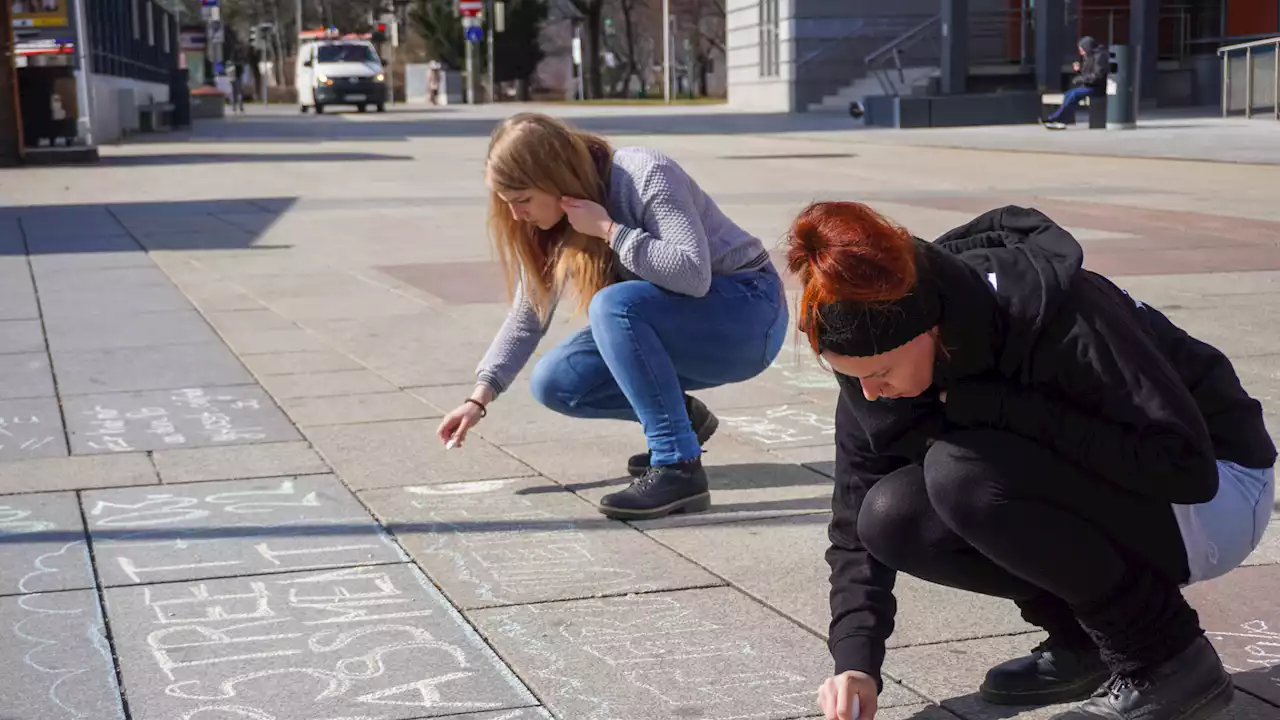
column 453, row 443
column 857, row 708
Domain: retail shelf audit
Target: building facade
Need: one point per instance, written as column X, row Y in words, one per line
column 802, row 55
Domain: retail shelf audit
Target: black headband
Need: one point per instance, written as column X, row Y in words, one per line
column 861, row 330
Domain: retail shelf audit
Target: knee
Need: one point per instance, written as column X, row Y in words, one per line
column 959, row 479
column 549, row 385
column 616, row 300
column 891, row 523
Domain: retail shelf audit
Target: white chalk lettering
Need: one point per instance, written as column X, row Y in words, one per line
column 167, row 509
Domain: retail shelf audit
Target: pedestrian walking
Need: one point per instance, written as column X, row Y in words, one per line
column 1016, row 426
column 678, row 299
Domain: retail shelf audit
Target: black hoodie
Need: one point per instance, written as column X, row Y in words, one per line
column 1095, row 65
column 1039, row 347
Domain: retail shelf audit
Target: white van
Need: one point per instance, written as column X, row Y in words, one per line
column 340, row 72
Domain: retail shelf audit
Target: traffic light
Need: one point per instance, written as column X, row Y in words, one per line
column 380, row 33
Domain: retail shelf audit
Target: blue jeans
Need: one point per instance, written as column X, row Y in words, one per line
column 1220, row 534
column 1070, row 100
column 647, row 346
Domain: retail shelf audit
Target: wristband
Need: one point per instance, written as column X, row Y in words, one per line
column 484, row 412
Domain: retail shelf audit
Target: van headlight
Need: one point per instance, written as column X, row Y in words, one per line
column 380, row 77
column 323, row 79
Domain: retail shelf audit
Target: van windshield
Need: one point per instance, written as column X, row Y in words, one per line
column 345, row 53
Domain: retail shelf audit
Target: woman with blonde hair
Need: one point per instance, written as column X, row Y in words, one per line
column 678, row 298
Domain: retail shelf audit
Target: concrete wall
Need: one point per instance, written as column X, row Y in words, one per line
column 747, row 89
column 115, row 105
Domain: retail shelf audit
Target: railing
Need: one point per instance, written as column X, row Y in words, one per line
column 1250, row 51
column 876, row 60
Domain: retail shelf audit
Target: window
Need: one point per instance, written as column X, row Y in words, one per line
column 164, row 22
column 137, row 21
column 345, row 52
column 151, row 23
column 770, row 25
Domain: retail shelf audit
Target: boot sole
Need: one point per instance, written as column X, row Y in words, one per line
column 697, row 503
column 1080, row 690
column 704, row 434
column 1213, row 703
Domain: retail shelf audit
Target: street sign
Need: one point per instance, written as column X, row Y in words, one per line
column 470, row 7
column 208, row 3
column 475, row 34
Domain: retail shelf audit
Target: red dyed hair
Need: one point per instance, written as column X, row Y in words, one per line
column 847, row 252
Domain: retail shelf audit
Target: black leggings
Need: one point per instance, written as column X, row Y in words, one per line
column 993, row 513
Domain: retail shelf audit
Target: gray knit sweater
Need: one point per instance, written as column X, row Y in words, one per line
column 669, row 232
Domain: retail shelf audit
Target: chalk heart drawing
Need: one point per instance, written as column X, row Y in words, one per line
column 349, row 643
column 783, row 424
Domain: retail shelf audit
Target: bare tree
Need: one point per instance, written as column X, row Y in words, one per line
column 704, row 23
column 591, row 13
column 634, row 17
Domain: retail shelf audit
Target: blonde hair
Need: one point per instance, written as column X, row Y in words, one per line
column 531, row 151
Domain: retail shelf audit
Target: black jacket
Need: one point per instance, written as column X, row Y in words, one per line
column 1041, row 348
column 1095, row 65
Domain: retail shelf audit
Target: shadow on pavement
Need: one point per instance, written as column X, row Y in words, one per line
column 233, row 224
column 228, row 158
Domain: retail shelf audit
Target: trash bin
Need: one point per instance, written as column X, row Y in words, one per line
column 1121, row 86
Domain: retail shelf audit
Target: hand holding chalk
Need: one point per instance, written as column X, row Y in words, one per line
column 453, row 428
column 848, row 696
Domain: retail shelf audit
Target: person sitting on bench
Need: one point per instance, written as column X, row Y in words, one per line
column 1090, row 81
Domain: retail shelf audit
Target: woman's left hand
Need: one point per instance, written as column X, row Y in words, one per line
column 587, row 217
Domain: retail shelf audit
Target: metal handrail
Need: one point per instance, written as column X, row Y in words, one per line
column 1225, row 54
column 1256, row 43
column 902, row 39
column 861, row 31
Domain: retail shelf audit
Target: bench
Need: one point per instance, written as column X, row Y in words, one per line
column 1097, row 105
column 154, row 117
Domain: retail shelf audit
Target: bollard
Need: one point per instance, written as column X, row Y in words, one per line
column 1121, row 86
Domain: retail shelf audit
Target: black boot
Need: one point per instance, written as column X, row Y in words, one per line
column 661, row 490
column 1053, row 673
column 1191, row 686
column 704, row 422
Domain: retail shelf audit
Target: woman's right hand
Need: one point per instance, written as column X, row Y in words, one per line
column 836, row 696
column 455, row 425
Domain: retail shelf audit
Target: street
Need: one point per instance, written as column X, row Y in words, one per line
column 224, row 354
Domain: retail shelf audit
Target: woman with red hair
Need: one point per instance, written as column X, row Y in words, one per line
column 1014, row 425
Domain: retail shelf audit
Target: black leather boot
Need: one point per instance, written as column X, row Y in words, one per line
column 661, row 490
column 704, row 422
column 1052, row 673
column 1191, row 686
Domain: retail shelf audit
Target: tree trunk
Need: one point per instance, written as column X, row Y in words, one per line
column 591, row 53
column 632, row 70
column 10, row 115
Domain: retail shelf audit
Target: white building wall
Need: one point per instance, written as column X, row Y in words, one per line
column 746, row 88
column 115, row 103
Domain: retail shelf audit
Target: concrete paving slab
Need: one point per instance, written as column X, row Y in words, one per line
column 240, row 321
column 292, row 363
column 1268, row 550
column 783, row 426
column 219, row 298
column 75, row 473
column 31, row 428
column 82, row 372
column 167, row 419
column 56, row 663
column 781, row 562
column 521, row 714
column 399, row 453
column 239, row 527
column 768, row 389
column 100, row 332
column 236, row 462
column 18, row 304
column 352, row 409
column 120, row 301
column 354, row 642
column 488, row 543
column 696, row 653
column 517, row 417
column 67, row 242
column 275, row 341
column 124, row 257
column 746, row 482
column 1239, row 614
column 326, row 384
column 818, row 458
column 21, row 336
column 112, row 279
column 42, row 544
column 25, row 375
